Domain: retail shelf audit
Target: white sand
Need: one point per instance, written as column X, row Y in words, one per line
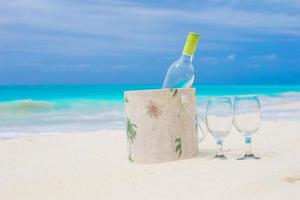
column 95, row 166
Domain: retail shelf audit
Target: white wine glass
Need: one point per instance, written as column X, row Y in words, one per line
column 247, row 119
column 219, row 119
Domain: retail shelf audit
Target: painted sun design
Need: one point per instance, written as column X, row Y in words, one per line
column 153, row 110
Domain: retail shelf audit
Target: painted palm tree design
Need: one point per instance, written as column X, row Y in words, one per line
column 131, row 134
column 174, row 92
column 178, row 147
column 153, row 110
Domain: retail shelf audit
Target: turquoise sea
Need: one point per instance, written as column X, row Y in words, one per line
column 44, row 109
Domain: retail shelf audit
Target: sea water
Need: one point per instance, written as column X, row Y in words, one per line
column 46, row 109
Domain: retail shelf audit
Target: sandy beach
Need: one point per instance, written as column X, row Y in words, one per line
column 95, row 166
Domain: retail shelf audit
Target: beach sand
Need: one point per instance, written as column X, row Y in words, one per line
column 95, row 166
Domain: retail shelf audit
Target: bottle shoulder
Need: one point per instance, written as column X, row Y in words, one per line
column 182, row 64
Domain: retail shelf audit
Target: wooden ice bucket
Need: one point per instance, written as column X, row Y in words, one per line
column 159, row 129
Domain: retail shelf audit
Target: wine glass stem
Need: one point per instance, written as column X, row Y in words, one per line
column 248, row 143
column 220, row 146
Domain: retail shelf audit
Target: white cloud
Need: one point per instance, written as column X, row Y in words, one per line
column 230, row 57
column 28, row 64
column 209, row 59
column 213, row 59
column 111, row 26
column 267, row 57
column 121, row 66
column 100, row 18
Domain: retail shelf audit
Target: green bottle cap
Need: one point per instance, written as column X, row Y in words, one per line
column 191, row 43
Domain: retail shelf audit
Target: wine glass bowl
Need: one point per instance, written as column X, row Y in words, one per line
column 247, row 120
column 219, row 119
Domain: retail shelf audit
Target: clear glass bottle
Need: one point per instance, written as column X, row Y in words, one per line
column 181, row 74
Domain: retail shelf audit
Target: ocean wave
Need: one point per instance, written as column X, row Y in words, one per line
column 81, row 115
column 26, row 105
column 291, row 93
column 68, row 115
column 35, row 106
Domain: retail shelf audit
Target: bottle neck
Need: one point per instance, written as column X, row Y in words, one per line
column 186, row 57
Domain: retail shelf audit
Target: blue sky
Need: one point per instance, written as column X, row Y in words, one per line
column 133, row 42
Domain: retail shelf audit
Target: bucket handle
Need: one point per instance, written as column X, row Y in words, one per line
column 185, row 100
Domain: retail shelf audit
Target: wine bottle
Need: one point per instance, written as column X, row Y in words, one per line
column 181, row 74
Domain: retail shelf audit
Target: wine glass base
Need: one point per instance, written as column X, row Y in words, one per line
column 250, row 156
column 220, row 157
